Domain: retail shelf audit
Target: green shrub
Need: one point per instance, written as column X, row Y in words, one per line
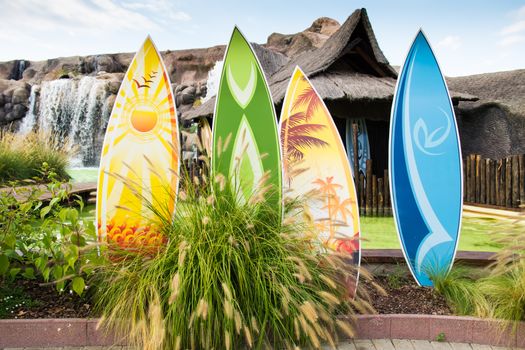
column 459, row 287
column 21, row 157
column 231, row 274
column 500, row 291
column 505, row 292
column 505, row 287
column 45, row 241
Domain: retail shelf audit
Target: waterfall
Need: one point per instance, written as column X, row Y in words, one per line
column 18, row 69
column 75, row 112
column 214, row 79
column 28, row 123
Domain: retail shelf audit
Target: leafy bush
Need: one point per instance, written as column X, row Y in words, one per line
column 231, row 274
column 46, row 241
column 21, row 157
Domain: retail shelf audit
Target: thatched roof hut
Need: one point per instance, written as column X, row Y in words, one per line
column 494, row 126
column 349, row 69
column 353, row 77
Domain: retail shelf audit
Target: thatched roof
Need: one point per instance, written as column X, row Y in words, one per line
column 504, row 88
column 271, row 61
column 349, row 67
column 494, row 126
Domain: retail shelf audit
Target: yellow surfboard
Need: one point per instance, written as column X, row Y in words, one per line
column 140, row 156
column 316, row 166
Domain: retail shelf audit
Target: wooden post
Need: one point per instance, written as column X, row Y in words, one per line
column 362, row 194
column 368, row 187
column 388, row 205
column 482, row 190
column 487, row 180
column 493, row 180
column 521, row 158
column 477, row 160
column 465, row 172
column 499, row 190
column 515, row 182
column 508, row 182
column 473, row 184
column 466, row 179
column 374, row 195
column 380, row 197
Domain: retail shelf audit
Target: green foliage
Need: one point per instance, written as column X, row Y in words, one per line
column 231, row 274
column 12, row 297
column 441, row 337
column 45, row 241
column 500, row 291
column 505, row 292
column 397, row 277
column 505, row 287
column 22, row 157
column 460, row 290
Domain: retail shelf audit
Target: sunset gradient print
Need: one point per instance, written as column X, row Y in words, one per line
column 316, row 166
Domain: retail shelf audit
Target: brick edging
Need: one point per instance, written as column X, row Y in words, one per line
column 83, row 332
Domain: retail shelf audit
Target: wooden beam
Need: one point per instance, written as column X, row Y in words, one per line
column 364, row 55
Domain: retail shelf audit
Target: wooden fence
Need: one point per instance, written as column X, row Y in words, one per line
column 373, row 193
column 488, row 182
column 499, row 183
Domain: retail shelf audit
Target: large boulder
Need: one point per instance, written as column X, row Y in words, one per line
column 20, row 96
column 19, row 111
column 312, row 37
column 106, row 63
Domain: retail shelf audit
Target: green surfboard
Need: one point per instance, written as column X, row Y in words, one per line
column 245, row 139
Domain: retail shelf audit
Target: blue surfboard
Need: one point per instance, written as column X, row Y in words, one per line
column 425, row 165
column 363, row 146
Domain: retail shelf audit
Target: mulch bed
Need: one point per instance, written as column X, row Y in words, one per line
column 403, row 297
column 406, row 297
column 28, row 299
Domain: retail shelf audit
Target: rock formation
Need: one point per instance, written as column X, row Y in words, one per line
column 188, row 69
column 310, row 38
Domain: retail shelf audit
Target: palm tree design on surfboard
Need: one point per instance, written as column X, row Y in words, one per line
column 425, row 165
column 315, row 161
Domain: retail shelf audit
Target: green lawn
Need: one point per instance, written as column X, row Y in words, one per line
column 83, row 174
column 380, row 232
column 476, row 233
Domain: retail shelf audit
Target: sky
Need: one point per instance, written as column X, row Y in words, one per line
column 468, row 36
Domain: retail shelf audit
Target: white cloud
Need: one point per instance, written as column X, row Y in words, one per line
column 35, row 29
column 515, row 27
column 164, row 9
column 72, row 16
column 511, row 40
column 97, row 16
column 451, row 42
column 511, row 34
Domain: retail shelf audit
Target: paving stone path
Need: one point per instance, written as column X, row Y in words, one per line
column 360, row 344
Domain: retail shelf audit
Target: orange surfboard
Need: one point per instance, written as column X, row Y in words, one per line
column 316, row 166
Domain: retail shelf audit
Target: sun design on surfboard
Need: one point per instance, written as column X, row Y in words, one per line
column 139, row 162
